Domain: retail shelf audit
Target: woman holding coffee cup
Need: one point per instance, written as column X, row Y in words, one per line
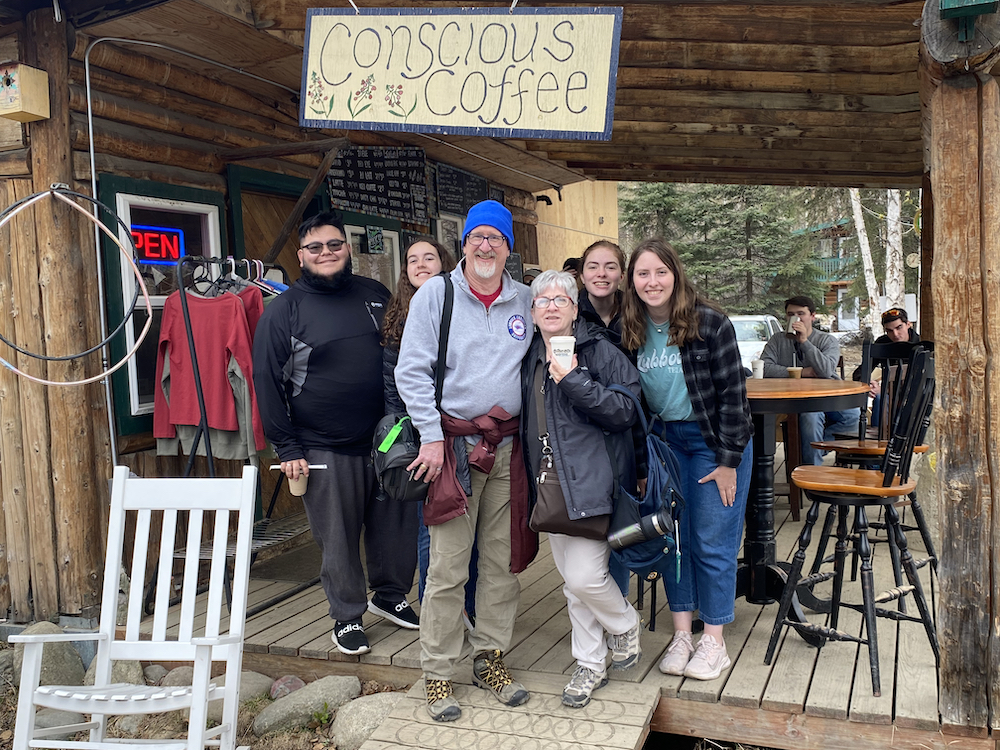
column 567, row 408
column 692, row 377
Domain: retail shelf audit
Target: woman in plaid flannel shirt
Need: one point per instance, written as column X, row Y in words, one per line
column 693, row 381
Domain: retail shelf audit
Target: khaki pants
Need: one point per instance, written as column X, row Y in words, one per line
column 441, row 629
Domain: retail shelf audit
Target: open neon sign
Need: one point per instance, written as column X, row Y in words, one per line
column 162, row 246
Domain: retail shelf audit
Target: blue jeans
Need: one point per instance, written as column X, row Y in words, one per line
column 818, row 425
column 710, row 531
column 423, row 560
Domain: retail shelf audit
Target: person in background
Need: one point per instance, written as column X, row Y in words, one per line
column 566, row 411
column 424, row 259
column 317, row 357
column 692, row 377
column 603, row 264
column 572, row 267
column 898, row 329
column 817, row 353
column 470, row 453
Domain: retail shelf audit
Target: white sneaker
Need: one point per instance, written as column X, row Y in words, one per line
column 678, row 654
column 708, row 661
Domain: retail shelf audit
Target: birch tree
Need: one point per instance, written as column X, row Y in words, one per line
column 871, row 286
column 894, row 282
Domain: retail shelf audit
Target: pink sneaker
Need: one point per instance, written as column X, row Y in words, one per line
column 678, row 654
column 708, row 661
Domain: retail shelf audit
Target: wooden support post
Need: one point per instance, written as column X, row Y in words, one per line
column 964, row 154
column 65, row 293
column 300, row 205
column 925, row 326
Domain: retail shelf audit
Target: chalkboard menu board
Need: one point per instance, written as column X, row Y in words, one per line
column 458, row 191
column 381, row 182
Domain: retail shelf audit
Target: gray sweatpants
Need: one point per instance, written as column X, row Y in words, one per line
column 339, row 500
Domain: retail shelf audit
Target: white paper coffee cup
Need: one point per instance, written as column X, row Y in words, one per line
column 562, row 350
column 758, row 368
column 298, row 486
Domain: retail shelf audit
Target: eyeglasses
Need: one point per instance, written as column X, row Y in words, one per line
column 315, row 248
column 495, row 240
column 542, row 302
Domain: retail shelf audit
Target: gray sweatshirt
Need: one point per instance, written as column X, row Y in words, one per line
column 485, row 349
column 821, row 351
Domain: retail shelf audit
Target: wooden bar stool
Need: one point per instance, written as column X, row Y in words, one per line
column 860, row 489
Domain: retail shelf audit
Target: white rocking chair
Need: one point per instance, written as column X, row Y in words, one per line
column 147, row 497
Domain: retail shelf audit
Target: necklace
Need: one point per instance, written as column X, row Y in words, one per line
column 659, row 326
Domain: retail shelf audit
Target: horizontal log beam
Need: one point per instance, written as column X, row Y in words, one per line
column 788, row 57
column 158, row 119
column 756, row 177
column 799, row 118
column 141, row 170
column 848, row 84
column 816, row 102
column 178, row 78
column 15, row 163
column 654, row 141
column 291, row 14
column 285, row 149
column 821, row 161
column 625, row 128
column 820, row 166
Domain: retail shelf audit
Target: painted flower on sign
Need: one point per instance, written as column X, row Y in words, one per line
column 316, row 93
column 394, row 96
column 365, row 91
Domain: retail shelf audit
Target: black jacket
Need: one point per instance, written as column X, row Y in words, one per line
column 317, row 356
column 393, row 403
column 579, row 410
column 884, row 339
column 614, row 329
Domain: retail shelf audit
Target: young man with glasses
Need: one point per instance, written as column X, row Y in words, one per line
column 317, row 361
column 470, row 452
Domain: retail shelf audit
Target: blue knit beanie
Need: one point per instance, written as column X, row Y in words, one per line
column 490, row 214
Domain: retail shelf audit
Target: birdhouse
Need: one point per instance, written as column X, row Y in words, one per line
column 24, row 92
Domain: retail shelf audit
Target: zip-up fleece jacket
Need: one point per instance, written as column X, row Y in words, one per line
column 821, row 351
column 578, row 410
column 317, row 358
column 485, row 349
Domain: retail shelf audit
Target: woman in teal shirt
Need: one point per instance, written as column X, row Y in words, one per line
column 692, row 377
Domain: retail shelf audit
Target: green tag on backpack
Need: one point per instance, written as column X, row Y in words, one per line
column 390, row 438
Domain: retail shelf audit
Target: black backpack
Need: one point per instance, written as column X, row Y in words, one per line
column 396, row 443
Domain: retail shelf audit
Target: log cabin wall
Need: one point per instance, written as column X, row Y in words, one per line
column 155, row 122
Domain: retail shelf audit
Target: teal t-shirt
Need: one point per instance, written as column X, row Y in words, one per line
column 662, row 376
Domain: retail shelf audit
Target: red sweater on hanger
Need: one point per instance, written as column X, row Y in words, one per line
column 221, row 333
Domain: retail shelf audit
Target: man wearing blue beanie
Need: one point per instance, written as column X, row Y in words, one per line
column 470, row 453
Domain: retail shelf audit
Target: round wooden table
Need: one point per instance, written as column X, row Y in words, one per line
column 760, row 578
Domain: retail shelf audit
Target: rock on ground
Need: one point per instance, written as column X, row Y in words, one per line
column 154, row 674
column 178, row 676
column 61, row 664
column 286, row 686
column 358, row 720
column 52, row 717
column 252, row 685
column 297, row 709
column 129, row 672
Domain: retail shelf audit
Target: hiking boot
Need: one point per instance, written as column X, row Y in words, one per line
column 708, row 661
column 399, row 613
column 625, row 648
column 349, row 637
column 678, row 654
column 441, row 704
column 490, row 673
column 581, row 686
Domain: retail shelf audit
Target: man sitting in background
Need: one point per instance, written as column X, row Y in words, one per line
column 817, row 353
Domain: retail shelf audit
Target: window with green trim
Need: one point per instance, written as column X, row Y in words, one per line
column 166, row 222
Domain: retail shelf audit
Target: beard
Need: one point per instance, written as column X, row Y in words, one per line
column 329, row 283
column 484, row 269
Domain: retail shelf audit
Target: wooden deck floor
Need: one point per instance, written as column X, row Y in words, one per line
column 807, row 699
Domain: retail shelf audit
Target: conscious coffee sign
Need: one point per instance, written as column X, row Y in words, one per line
column 536, row 72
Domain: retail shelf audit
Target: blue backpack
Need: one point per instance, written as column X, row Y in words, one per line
column 644, row 532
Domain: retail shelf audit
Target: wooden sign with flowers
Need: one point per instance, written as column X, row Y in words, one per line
column 526, row 73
